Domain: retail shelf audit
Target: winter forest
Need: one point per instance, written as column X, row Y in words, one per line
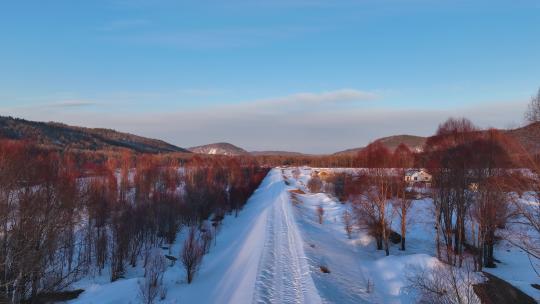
column 65, row 216
column 270, row 152
column 70, row 217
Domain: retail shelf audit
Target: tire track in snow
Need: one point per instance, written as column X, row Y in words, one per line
column 284, row 275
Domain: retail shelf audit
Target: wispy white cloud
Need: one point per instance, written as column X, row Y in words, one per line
column 317, row 126
column 313, row 99
column 70, row 104
column 29, row 106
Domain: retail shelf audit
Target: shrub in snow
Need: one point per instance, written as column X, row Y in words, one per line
column 151, row 286
column 445, row 284
column 206, row 238
column 320, row 213
column 335, row 185
column 192, row 254
column 348, row 223
column 315, row 184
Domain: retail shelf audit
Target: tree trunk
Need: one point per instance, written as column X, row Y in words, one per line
column 403, row 230
column 488, row 251
column 379, row 243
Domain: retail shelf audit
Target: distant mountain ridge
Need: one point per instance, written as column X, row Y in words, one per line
column 221, row 148
column 276, row 153
column 61, row 136
column 224, row 148
column 415, row 143
column 528, row 137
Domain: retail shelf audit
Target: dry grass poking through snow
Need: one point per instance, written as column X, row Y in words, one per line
column 297, row 191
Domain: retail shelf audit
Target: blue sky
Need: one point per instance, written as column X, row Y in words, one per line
column 312, row 76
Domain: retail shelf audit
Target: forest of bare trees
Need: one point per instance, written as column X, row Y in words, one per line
column 62, row 218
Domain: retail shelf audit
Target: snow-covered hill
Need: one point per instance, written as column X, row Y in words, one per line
column 60, row 136
column 219, row 149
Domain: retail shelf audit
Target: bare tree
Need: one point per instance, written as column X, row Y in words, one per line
column 533, row 109
column 526, row 232
column 371, row 207
column 206, row 237
column 401, row 205
column 315, row 184
column 444, row 284
column 191, row 255
column 490, row 211
column 152, row 284
column 403, row 159
column 348, row 223
column 450, row 152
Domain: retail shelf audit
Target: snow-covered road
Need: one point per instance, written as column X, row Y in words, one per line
column 283, row 273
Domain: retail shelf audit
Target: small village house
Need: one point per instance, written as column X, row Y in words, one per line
column 417, row 175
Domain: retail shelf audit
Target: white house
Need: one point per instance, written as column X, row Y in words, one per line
column 417, row 175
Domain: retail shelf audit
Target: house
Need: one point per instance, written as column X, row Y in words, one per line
column 417, row 175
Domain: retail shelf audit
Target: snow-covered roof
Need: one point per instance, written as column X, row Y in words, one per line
column 411, row 172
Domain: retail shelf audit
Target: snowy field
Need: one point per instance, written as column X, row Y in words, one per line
column 274, row 250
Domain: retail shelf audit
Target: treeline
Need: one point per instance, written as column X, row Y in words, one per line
column 320, row 161
column 521, row 153
column 62, row 217
column 477, row 190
